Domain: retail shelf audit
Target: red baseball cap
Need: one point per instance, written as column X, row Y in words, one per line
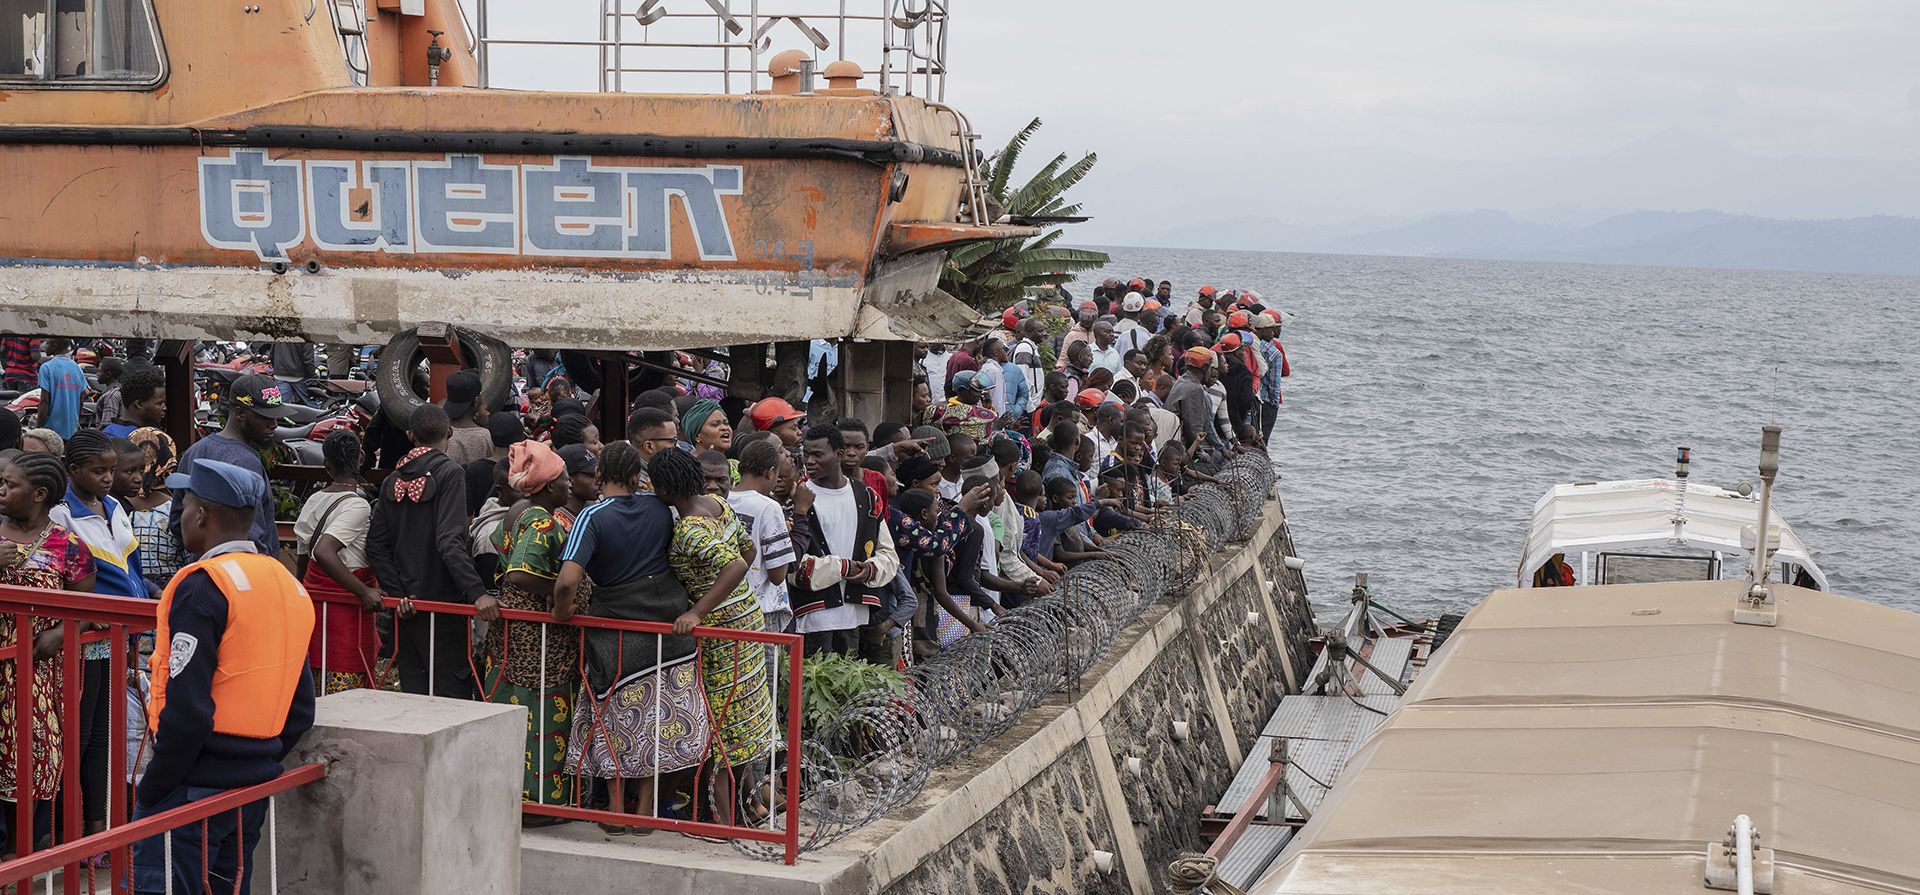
column 770, row 412
column 1011, row 318
column 1206, row 290
column 1229, row 342
column 1090, row 397
column 1239, row 319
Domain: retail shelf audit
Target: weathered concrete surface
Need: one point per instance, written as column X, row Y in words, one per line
column 1027, row 811
column 422, row 797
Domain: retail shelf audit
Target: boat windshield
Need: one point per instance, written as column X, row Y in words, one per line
column 1651, row 530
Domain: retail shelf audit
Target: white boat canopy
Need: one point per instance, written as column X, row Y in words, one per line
column 1654, row 515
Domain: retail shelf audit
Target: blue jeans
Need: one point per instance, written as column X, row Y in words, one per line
column 294, row 392
column 229, row 839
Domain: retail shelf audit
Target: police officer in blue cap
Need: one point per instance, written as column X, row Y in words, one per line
column 231, row 694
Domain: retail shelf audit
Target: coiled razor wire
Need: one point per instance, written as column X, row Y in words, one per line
column 877, row 753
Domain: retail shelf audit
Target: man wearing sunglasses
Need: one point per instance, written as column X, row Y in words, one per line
column 652, row 430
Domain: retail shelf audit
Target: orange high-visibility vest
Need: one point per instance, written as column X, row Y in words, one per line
column 262, row 653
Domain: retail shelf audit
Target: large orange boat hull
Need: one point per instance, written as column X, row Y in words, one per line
column 241, row 199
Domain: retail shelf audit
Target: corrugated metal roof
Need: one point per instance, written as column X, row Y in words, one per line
column 1253, row 853
column 1389, row 655
column 1341, row 725
column 1326, row 717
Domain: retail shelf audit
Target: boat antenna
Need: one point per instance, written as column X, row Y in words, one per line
column 1682, row 466
column 1757, row 606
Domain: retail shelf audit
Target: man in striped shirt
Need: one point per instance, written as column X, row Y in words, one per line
column 21, row 369
column 762, row 464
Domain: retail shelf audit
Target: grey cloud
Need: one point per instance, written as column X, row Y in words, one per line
column 1324, row 111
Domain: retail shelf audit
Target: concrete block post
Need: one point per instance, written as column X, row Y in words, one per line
column 422, row 797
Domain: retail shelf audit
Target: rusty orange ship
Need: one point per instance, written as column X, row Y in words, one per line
column 338, row 171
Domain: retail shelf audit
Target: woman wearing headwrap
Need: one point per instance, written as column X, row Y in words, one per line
column 520, row 669
column 160, row 554
column 705, row 426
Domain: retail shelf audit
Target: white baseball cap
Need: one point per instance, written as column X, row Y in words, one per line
column 1132, row 303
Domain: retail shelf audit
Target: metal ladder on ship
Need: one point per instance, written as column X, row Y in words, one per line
column 977, row 207
column 350, row 22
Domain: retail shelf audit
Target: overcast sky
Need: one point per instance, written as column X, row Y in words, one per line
column 1462, row 79
column 1202, row 105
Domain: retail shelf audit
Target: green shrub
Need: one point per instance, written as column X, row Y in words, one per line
column 829, row 681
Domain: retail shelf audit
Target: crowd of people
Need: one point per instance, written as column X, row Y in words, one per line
column 1026, row 450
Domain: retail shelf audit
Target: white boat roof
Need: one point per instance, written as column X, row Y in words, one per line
column 1638, row 514
column 1596, row 742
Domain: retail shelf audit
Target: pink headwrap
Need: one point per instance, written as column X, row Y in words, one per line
column 532, row 465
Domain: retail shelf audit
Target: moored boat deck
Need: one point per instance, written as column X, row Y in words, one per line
column 1602, row 737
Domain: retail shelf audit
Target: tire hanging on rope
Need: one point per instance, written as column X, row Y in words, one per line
column 400, row 361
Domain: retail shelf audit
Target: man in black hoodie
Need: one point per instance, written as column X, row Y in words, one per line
column 419, row 548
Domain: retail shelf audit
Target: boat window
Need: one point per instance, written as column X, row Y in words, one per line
column 80, row 43
column 1640, row 568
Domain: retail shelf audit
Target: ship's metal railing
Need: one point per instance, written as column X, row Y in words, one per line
column 56, row 679
column 700, row 46
column 772, row 778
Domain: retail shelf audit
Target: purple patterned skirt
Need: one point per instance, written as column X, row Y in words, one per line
column 654, row 722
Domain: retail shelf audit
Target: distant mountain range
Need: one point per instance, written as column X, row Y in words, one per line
column 1772, row 212
column 1881, row 244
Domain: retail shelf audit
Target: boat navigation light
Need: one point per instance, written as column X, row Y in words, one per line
column 1682, row 465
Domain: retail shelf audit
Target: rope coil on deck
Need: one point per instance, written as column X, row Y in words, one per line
column 878, row 752
column 1192, row 874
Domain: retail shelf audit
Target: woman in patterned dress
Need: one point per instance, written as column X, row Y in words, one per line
column 642, row 711
column 159, row 552
column 530, row 548
column 34, row 552
column 710, row 555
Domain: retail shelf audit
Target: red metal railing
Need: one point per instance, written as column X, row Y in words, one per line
column 115, row 621
column 118, row 841
column 786, row 835
column 82, row 619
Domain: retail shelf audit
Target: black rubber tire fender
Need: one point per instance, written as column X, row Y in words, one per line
column 1443, row 628
column 393, row 373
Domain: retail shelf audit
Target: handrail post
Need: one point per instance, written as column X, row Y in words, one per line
column 1277, row 798
column 22, row 696
column 794, row 756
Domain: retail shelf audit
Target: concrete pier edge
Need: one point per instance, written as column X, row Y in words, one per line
column 921, row 847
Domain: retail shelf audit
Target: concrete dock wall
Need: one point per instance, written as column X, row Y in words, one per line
column 1093, row 791
column 1124, row 768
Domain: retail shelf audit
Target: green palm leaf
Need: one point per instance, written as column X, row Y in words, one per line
column 999, row 167
column 996, row 273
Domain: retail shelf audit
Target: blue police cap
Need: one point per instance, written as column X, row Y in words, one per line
column 222, row 483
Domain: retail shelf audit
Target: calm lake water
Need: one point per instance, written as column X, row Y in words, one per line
column 1433, row 402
